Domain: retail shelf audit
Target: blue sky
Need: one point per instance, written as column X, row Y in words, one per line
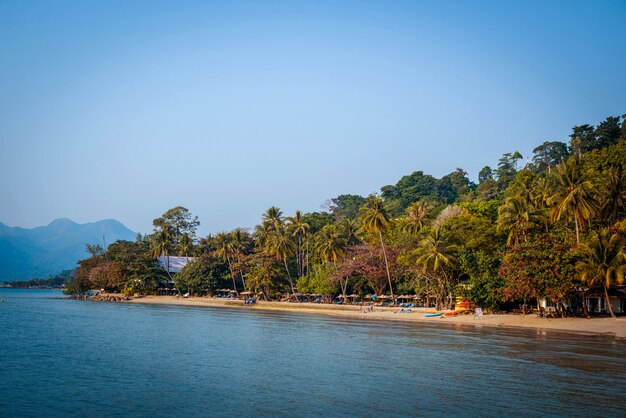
column 117, row 109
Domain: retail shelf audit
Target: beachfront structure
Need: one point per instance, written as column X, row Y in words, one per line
column 596, row 300
column 174, row 264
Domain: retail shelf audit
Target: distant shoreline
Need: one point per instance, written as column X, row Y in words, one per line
column 592, row 327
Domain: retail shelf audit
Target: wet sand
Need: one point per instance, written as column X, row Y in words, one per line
column 593, row 326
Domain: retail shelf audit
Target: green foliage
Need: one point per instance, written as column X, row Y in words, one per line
column 586, row 138
column 507, row 169
column 412, row 188
column 317, row 220
column 472, row 232
column 319, row 280
column 346, row 206
column 485, row 208
column 485, row 173
column 543, row 266
column 484, row 284
column 56, row 281
column 200, row 275
column 549, row 154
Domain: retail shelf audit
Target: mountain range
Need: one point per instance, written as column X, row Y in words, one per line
column 46, row 250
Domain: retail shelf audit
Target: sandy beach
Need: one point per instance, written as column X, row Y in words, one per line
column 593, row 326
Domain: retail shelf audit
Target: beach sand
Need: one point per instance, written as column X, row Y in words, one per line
column 593, row 326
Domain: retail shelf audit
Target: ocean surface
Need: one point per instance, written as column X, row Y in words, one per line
column 62, row 357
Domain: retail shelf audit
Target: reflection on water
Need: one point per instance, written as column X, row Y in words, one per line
column 62, row 357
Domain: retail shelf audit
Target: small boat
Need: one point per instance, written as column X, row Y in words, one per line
column 454, row 313
column 430, row 315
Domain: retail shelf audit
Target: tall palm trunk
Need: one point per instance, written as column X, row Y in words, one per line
column 293, row 291
column 344, row 286
column 382, row 244
column 608, row 302
column 577, row 233
column 232, row 276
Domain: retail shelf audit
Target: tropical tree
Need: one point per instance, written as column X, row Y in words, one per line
column 224, row 247
column 434, row 254
column 415, row 216
column 517, row 217
column 280, row 245
column 374, row 220
column 332, row 247
column 185, row 244
column 238, row 243
column 574, row 195
column 350, row 230
column 161, row 244
column 299, row 230
column 603, row 262
column 273, row 216
column 613, row 195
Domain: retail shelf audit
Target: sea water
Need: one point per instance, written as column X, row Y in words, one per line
column 61, row 357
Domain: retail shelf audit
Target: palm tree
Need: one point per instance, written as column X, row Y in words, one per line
column 574, row 194
column 604, row 261
column 238, row 246
column 185, row 244
column 613, row 195
column 374, row 220
column 541, row 192
column 280, row 245
column 161, row 243
column 416, row 213
column 434, row 253
column 206, row 245
column 261, row 234
column 274, row 216
column 300, row 228
column 350, row 230
column 332, row 246
column 517, row 217
column 224, row 250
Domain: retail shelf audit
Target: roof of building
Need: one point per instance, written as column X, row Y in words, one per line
column 174, row 264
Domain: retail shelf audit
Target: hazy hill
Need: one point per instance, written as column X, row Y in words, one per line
column 46, row 250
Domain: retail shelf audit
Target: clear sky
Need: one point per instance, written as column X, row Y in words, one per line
column 123, row 109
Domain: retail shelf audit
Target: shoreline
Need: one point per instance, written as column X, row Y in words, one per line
column 591, row 327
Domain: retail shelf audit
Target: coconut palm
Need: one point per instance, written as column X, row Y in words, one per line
column 274, row 216
column 280, row 245
column 613, row 195
column 161, row 243
column 350, row 230
column 331, row 246
column 238, row 247
column 574, row 195
column 541, row 192
column 224, row 249
column 299, row 230
column 517, row 217
column 416, row 213
column 434, row 253
column 603, row 262
column 185, row 244
column 374, row 219
column 261, row 234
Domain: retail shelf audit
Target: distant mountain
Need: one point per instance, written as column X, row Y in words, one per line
column 47, row 250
